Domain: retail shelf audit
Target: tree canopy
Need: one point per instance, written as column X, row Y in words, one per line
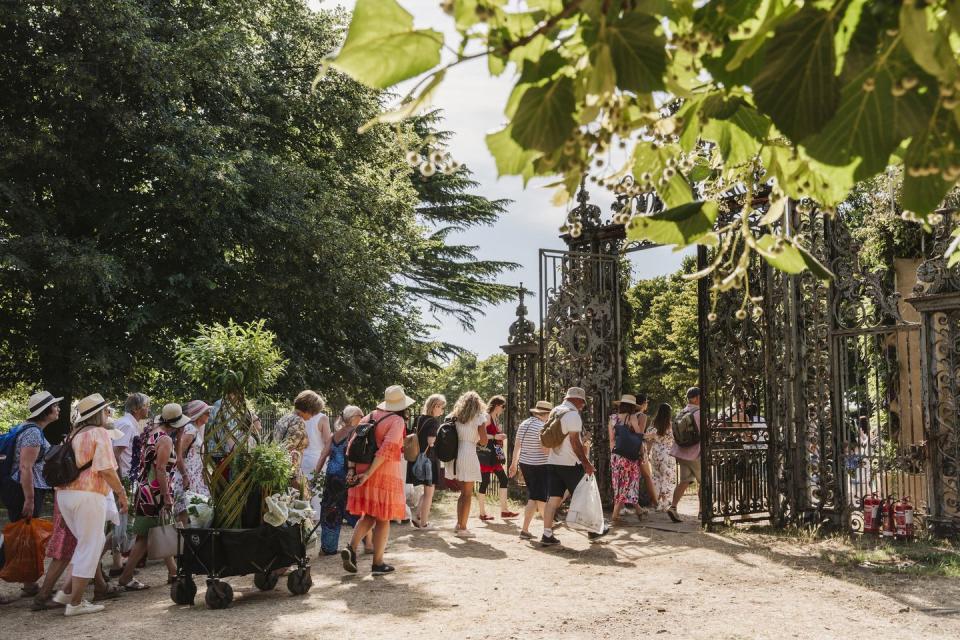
column 736, row 105
column 467, row 372
column 173, row 163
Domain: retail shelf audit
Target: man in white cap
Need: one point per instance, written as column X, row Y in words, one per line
column 566, row 464
column 23, row 490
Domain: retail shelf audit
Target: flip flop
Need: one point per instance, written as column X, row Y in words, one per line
column 134, row 585
column 112, row 592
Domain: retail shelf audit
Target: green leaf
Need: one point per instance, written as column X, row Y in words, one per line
column 862, row 127
column 410, row 107
column 511, row 158
column 921, row 43
column 791, row 257
column 545, row 115
column 797, row 87
column 923, row 194
column 680, row 226
column 845, row 31
column 801, row 176
column 601, row 77
column 776, row 13
column 638, row 53
column 382, row 47
column 675, row 190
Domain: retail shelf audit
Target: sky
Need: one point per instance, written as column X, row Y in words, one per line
column 472, row 102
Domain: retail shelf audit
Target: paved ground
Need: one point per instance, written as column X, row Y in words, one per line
column 643, row 581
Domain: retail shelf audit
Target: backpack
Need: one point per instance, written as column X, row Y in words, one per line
column 552, row 435
column 362, row 448
column 8, row 448
column 685, row 431
column 627, row 443
column 447, row 443
column 60, row 464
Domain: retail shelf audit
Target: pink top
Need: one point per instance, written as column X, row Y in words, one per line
column 693, row 451
column 92, row 445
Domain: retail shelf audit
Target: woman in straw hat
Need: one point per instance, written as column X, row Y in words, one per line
column 377, row 491
column 189, row 472
column 531, row 459
column 158, row 459
column 24, row 491
column 82, row 503
column 625, row 431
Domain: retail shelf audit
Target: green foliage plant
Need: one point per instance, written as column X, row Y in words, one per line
column 270, row 467
column 232, row 358
column 792, row 102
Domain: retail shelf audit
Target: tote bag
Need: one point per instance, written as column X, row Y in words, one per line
column 162, row 540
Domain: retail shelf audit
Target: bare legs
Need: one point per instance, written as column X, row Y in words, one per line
column 423, row 507
column 550, row 510
column 648, row 479
column 381, row 532
column 615, row 516
column 463, row 504
column 533, row 506
column 137, row 552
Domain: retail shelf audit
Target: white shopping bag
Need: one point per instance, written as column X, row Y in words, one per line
column 586, row 510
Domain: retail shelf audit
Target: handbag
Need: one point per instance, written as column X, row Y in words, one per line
column 149, row 502
column 411, row 447
column 162, row 540
column 423, row 469
column 486, row 456
column 501, row 456
column 628, row 443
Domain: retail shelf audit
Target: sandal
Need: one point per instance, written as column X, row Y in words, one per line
column 44, row 604
column 134, row 585
column 29, row 592
column 171, row 579
column 111, row 592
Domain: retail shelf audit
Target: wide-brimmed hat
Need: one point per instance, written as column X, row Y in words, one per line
column 576, row 393
column 394, row 399
column 90, row 406
column 172, row 416
column 627, row 399
column 39, row 402
column 542, row 407
column 196, row 408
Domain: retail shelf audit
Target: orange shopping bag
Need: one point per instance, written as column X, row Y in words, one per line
column 24, row 545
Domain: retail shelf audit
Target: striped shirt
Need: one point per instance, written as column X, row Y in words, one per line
column 528, row 433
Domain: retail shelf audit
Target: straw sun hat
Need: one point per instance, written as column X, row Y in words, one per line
column 394, row 399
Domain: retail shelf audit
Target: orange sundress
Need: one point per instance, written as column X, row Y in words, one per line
column 381, row 496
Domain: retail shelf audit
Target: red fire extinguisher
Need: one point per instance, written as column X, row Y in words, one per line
column 887, row 529
column 871, row 513
column 903, row 519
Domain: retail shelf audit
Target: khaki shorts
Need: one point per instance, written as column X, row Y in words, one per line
column 689, row 470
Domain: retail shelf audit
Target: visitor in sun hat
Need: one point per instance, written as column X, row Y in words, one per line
column 188, row 476
column 531, row 459
column 82, row 503
column 152, row 490
column 377, row 491
column 23, row 492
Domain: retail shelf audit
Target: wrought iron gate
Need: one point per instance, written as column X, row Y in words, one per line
column 580, row 338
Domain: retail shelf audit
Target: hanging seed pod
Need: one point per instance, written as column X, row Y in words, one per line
column 869, row 85
column 711, row 317
column 909, row 82
column 427, row 169
column 897, row 90
column 414, row 159
column 741, row 314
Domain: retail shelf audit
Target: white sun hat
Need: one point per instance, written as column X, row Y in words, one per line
column 394, row 399
column 39, row 402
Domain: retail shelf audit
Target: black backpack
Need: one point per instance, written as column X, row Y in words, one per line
column 448, row 442
column 363, row 444
column 60, row 464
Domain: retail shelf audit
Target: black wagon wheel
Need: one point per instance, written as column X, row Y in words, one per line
column 265, row 580
column 183, row 590
column 219, row 594
column 299, row 581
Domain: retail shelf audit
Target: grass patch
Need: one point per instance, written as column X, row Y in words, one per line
column 920, row 558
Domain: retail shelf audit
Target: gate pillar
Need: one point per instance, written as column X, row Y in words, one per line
column 938, row 301
column 523, row 359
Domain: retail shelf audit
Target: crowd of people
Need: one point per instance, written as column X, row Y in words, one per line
column 137, row 471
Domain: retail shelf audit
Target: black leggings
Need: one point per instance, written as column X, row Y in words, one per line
column 501, row 476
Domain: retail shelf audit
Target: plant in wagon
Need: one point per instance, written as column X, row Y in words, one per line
column 735, row 113
column 236, row 361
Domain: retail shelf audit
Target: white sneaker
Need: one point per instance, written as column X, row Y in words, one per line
column 464, row 533
column 82, row 608
column 61, row 598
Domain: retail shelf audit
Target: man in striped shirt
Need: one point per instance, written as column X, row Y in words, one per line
column 531, row 459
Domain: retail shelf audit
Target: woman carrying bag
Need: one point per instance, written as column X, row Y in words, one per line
column 82, row 503
column 625, row 431
column 153, row 498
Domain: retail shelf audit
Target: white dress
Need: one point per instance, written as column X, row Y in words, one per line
column 467, row 467
column 315, row 443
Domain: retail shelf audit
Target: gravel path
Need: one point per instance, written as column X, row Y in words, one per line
column 642, row 581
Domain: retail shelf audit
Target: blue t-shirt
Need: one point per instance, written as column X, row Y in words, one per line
column 31, row 437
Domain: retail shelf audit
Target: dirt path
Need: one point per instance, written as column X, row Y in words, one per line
column 642, row 581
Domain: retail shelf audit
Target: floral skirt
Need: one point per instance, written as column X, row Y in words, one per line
column 626, row 479
column 62, row 542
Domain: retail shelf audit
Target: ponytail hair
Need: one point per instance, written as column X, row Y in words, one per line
column 349, row 411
